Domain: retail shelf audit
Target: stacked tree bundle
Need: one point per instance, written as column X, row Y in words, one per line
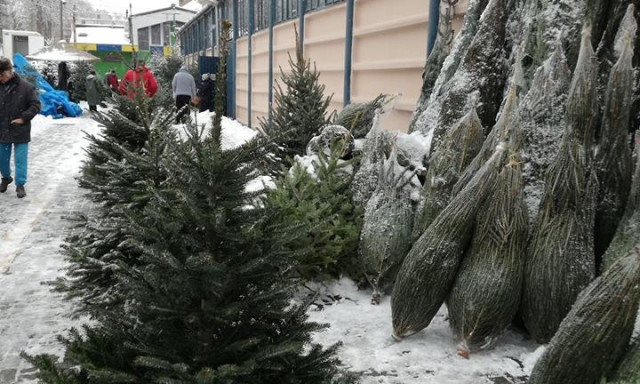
column 628, row 232
column 365, row 181
column 480, row 72
column 542, row 118
column 386, row 230
column 481, row 308
column 614, row 164
column 358, row 117
column 460, row 146
column 429, row 269
column 560, row 259
column 594, row 335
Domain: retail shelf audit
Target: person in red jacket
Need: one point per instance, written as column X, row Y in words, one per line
column 112, row 81
column 137, row 80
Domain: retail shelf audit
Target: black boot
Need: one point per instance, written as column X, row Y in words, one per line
column 20, row 192
column 5, row 183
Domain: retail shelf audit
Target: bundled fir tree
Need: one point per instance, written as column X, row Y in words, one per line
column 614, row 164
column 299, row 112
column 358, row 117
column 429, row 269
column 596, row 332
column 386, row 230
column 480, row 74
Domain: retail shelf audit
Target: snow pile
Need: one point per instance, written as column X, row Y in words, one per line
column 428, row 357
column 234, row 133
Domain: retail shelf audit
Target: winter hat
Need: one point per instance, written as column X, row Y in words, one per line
column 183, row 68
column 5, row 64
column 205, row 76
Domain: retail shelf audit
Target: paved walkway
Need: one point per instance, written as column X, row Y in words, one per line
column 31, row 232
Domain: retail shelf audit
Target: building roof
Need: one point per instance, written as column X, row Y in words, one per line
column 195, row 18
column 100, row 34
column 23, row 33
column 164, row 10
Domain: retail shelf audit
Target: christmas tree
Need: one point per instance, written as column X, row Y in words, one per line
column 299, row 112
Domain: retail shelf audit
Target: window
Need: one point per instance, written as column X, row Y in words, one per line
column 143, row 39
column 155, row 35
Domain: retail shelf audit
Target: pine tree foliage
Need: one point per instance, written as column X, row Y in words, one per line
column 299, row 112
column 121, row 181
column 322, row 205
column 166, row 68
column 547, row 23
column 211, row 275
column 614, row 163
column 220, row 98
column 78, row 80
column 501, row 132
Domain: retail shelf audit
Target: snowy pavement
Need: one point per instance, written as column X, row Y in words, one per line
column 31, row 232
column 31, row 316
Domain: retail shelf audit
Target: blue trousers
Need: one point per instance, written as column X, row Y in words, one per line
column 19, row 160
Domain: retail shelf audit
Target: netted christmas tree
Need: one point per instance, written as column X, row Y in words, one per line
column 298, row 114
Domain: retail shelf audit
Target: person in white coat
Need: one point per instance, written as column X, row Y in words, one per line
column 184, row 88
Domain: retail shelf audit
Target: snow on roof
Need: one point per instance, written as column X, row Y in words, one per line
column 23, row 33
column 101, row 34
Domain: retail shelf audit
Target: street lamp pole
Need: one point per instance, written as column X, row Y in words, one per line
column 172, row 38
column 62, row 2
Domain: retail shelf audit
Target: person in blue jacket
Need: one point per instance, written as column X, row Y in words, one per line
column 19, row 104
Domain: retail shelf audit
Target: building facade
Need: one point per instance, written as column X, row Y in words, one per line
column 152, row 31
column 361, row 48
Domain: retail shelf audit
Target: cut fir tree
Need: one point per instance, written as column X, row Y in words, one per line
column 597, row 330
column 298, row 114
column 486, row 294
column 429, row 269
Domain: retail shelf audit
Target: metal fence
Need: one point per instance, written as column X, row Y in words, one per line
column 200, row 34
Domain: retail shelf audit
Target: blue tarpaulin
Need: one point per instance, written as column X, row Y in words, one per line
column 54, row 103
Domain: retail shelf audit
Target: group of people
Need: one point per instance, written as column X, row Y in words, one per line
column 19, row 104
column 137, row 80
column 185, row 92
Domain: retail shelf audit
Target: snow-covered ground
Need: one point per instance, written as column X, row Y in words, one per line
column 32, row 230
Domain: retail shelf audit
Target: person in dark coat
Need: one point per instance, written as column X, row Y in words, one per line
column 95, row 91
column 63, row 76
column 19, row 104
column 205, row 93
